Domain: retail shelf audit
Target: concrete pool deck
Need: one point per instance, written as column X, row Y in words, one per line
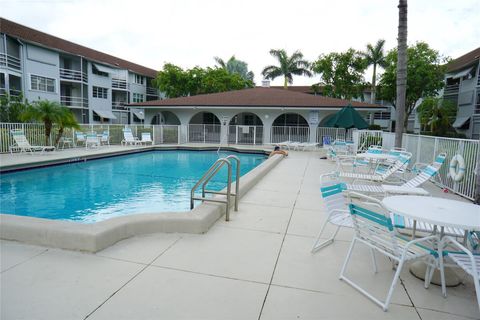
column 257, row 266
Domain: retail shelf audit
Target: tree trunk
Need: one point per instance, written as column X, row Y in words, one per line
column 48, row 129
column 59, row 136
column 285, row 82
column 401, row 71
column 374, row 84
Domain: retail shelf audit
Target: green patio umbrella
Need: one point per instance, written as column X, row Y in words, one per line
column 347, row 118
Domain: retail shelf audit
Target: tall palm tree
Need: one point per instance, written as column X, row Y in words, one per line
column 289, row 66
column 65, row 120
column 401, row 71
column 375, row 56
column 46, row 111
column 235, row 66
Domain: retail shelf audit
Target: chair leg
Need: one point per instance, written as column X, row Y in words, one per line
column 442, row 273
column 347, row 259
column 319, row 245
column 374, row 260
column 394, row 283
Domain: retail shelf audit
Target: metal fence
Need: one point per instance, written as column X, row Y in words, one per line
column 204, row 133
column 35, row 133
column 333, row 134
column 424, row 149
column 296, row 134
column 245, row 134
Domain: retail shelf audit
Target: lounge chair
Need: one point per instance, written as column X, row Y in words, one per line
column 336, row 209
column 399, row 164
column 147, row 138
column 411, row 187
column 22, row 144
column 129, row 139
column 376, row 231
column 464, row 258
column 92, row 140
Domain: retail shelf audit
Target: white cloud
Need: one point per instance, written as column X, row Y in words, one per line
column 190, row 32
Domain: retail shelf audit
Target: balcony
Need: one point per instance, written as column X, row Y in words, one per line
column 74, row 102
column 73, row 75
column 119, row 105
column 451, row 89
column 152, row 91
column 119, row 84
column 10, row 61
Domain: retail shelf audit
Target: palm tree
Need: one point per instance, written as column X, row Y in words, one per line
column 374, row 56
column 46, row 111
column 235, row 66
column 401, row 71
column 289, row 66
column 65, row 120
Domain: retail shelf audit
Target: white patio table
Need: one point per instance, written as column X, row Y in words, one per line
column 437, row 211
column 376, row 156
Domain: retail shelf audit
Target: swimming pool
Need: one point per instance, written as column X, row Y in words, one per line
column 91, row 191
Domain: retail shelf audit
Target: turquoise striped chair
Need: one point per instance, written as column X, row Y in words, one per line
column 376, row 231
column 336, row 209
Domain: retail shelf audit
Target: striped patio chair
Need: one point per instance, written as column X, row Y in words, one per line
column 22, row 144
column 336, row 209
column 400, row 163
column 411, row 187
column 376, row 231
column 463, row 258
column 92, row 140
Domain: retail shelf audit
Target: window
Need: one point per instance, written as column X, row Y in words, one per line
column 44, row 84
column 139, row 79
column 98, row 72
column 138, row 97
column 99, row 92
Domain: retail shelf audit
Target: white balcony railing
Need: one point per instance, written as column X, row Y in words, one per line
column 74, row 75
column 10, row 61
column 152, row 91
column 75, row 102
column 119, row 105
column 119, row 84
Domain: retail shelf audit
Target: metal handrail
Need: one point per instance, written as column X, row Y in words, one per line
column 211, row 172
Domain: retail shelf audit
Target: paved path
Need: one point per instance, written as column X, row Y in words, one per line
column 257, row 266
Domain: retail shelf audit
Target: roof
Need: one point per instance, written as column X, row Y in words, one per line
column 257, row 97
column 464, row 61
column 43, row 39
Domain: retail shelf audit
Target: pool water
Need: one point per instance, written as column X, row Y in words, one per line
column 96, row 190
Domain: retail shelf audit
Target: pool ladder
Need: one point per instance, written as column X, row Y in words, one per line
column 214, row 169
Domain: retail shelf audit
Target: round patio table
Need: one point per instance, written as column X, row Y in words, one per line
column 437, row 211
column 376, row 156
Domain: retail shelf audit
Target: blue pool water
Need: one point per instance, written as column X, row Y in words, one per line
column 96, row 190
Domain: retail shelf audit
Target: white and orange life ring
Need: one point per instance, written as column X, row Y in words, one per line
column 457, row 168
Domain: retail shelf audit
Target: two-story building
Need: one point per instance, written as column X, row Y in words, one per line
column 94, row 85
column 462, row 86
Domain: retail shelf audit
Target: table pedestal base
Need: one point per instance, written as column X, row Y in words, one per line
column 418, row 269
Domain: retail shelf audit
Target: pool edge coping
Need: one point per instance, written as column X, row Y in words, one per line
column 100, row 235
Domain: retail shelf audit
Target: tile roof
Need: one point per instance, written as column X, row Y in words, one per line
column 258, row 97
column 43, row 39
column 464, row 61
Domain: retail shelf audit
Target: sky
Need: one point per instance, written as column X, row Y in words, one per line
column 188, row 33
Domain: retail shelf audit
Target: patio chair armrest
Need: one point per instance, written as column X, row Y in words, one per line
column 457, row 244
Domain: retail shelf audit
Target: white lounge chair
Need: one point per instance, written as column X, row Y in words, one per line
column 376, row 231
column 336, row 209
column 129, row 139
column 147, row 138
column 105, row 138
column 411, row 187
column 80, row 137
column 22, row 144
column 92, row 140
column 464, row 258
column 399, row 164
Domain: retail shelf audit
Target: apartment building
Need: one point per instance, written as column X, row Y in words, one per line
column 94, row 85
column 462, row 86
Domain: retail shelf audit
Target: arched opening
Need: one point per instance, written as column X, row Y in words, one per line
column 165, row 118
column 245, row 128
column 204, row 127
column 290, row 127
column 325, row 120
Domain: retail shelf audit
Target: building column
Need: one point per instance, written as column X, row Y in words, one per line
column 372, row 117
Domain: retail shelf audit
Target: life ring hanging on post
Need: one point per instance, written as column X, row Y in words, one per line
column 457, row 168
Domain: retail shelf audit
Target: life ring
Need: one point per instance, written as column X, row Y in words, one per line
column 457, row 168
